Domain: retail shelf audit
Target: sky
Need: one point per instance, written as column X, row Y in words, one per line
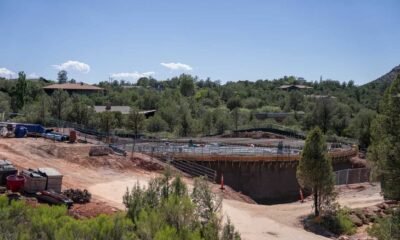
column 225, row 40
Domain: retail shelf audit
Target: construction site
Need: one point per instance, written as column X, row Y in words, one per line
column 248, row 170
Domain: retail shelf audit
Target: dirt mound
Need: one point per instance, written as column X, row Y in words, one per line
column 146, row 164
column 229, row 193
column 91, row 209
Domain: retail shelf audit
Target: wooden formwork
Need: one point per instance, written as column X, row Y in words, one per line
column 337, row 156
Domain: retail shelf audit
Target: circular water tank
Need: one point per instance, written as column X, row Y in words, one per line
column 15, row 182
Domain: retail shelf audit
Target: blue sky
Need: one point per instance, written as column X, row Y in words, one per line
column 224, row 40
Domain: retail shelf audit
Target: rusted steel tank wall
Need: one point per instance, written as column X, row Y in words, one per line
column 265, row 178
column 266, row 183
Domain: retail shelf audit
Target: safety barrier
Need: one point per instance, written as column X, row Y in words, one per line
column 350, row 176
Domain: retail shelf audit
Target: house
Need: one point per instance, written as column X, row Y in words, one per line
column 123, row 110
column 71, row 88
column 292, row 87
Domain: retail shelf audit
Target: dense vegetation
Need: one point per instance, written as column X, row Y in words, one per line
column 188, row 106
column 384, row 152
column 163, row 211
column 384, row 156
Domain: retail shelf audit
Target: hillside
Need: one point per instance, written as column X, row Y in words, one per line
column 387, row 78
column 371, row 93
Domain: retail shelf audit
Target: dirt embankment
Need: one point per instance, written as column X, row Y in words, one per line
column 108, row 177
column 78, row 168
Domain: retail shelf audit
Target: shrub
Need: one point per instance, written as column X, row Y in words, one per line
column 339, row 222
column 21, row 221
column 387, row 228
column 166, row 210
column 156, row 124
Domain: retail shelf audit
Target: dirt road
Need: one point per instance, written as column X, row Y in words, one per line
column 108, row 177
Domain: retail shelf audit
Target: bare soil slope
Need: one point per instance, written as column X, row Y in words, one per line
column 108, row 177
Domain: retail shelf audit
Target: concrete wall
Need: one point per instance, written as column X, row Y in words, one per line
column 266, row 183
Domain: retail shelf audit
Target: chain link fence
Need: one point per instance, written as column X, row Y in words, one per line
column 350, row 176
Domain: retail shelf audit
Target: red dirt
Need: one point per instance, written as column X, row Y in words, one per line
column 91, row 209
column 229, row 193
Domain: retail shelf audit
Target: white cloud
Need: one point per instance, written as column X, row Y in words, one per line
column 74, row 66
column 33, row 76
column 131, row 75
column 6, row 73
column 177, row 66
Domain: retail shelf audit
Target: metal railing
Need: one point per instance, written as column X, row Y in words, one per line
column 215, row 150
column 195, row 169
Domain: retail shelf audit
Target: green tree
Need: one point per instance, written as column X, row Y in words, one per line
column 384, row 152
column 166, row 210
column 207, row 203
column 59, row 100
column 233, row 103
column 323, row 114
column 222, row 120
column 186, row 85
column 44, row 108
column 135, row 120
column 156, row 124
column 341, row 118
column 20, row 90
column 186, row 124
column 294, row 101
column 360, row 127
column 315, row 171
column 143, row 82
column 4, row 104
column 235, row 116
column 207, row 122
column 107, row 122
column 80, row 111
column 62, row 76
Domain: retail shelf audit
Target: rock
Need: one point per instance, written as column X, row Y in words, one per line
column 380, row 214
column 369, row 215
column 391, row 202
column 343, row 238
column 360, row 214
column 356, row 220
column 78, row 195
column 383, row 206
column 99, row 151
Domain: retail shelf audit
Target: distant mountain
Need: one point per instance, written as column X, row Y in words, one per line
column 372, row 92
column 384, row 81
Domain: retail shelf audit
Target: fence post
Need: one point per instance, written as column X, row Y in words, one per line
column 347, row 178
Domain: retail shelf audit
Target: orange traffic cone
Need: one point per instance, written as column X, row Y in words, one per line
column 301, row 196
column 222, row 181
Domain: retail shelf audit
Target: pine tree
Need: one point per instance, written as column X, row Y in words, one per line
column 315, row 171
column 384, row 152
column 62, row 76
